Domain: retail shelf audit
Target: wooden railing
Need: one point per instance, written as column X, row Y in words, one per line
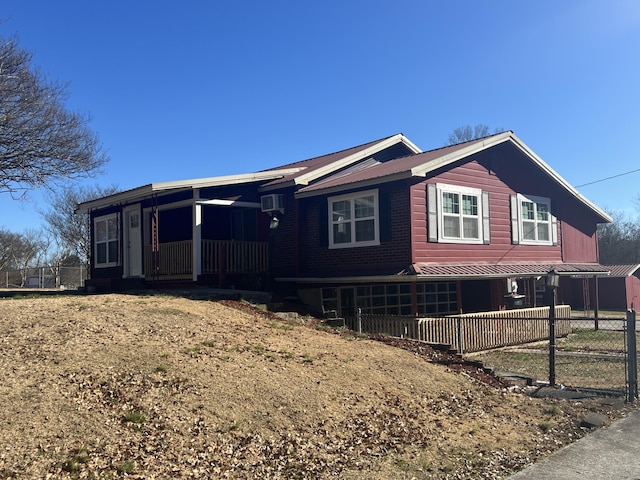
column 229, row 256
column 476, row 331
column 218, row 256
column 174, row 259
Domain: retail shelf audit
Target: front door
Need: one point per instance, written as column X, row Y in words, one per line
column 133, row 242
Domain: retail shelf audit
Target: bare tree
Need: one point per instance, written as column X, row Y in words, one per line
column 619, row 241
column 41, row 142
column 71, row 229
column 7, row 242
column 466, row 133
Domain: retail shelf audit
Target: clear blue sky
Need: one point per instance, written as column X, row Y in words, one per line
column 199, row 88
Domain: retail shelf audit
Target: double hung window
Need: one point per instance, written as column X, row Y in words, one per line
column 536, row 224
column 460, row 214
column 106, row 241
column 354, row 220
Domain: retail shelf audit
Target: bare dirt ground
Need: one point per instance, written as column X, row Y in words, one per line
column 146, row 386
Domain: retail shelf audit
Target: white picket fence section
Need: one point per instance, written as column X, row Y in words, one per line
column 472, row 332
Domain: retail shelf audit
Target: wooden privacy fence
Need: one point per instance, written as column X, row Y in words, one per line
column 472, row 332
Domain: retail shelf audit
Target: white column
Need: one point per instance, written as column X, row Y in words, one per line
column 197, row 235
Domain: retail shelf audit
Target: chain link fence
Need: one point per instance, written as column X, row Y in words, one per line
column 68, row 278
column 598, row 354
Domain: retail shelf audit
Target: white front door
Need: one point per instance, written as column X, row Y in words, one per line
column 133, row 242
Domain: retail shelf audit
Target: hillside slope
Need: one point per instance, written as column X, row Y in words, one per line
column 164, row 387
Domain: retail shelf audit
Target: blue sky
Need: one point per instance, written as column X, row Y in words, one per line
column 198, row 88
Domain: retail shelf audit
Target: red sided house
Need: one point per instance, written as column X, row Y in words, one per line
column 382, row 226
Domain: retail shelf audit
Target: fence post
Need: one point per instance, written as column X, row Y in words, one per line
column 359, row 319
column 632, row 357
column 459, row 327
column 552, row 337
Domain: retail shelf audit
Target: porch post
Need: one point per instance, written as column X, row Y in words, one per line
column 197, row 236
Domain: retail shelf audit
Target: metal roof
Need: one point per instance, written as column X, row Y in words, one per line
column 505, row 270
column 421, row 164
column 623, row 270
column 315, row 168
column 433, row 271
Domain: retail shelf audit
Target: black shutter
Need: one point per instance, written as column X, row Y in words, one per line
column 384, row 206
column 323, row 223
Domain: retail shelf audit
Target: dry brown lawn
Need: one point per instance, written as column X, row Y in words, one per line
column 155, row 386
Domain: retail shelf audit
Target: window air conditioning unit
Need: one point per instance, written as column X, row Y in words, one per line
column 272, row 202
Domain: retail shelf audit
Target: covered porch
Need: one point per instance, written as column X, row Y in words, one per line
column 176, row 260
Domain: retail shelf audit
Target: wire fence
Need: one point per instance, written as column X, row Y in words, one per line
column 596, row 355
column 570, row 352
column 49, row 276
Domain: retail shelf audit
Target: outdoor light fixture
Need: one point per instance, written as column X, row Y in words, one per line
column 553, row 279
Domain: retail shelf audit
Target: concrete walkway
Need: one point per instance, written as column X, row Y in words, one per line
column 611, row 452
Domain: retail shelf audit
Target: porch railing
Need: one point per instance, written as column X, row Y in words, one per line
column 218, row 256
column 175, row 258
column 230, row 256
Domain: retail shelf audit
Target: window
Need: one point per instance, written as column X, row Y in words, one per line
column 437, row 298
column 458, row 214
column 106, row 241
column 378, row 299
column 535, row 224
column 353, row 220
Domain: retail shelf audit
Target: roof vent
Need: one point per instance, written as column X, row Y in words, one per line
column 270, row 203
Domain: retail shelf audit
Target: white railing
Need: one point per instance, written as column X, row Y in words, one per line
column 474, row 331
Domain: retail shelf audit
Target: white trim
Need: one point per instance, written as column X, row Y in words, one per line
column 196, row 236
column 442, row 188
column 536, row 201
column 146, row 191
column 350, row 223
column 106, row 218
column 228, row 203
column 316, row 173
column 126, row 251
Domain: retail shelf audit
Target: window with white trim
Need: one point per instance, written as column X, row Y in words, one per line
column 354, row 220
column 106, row 240
column 535, row 220
column 460, row 216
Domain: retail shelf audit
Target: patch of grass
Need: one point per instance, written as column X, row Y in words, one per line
column 553, row 410
column 259, row 349
column 209, row 343
column 192, row 351
column 134, row 416
column 545, row 426
column 285, row 354
column 126, row 467
column 162, row 368
column 306, row 358
column 280, row 325
column 400, row 463
column 78, row 457
column 165, row 311
column 26, row 296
